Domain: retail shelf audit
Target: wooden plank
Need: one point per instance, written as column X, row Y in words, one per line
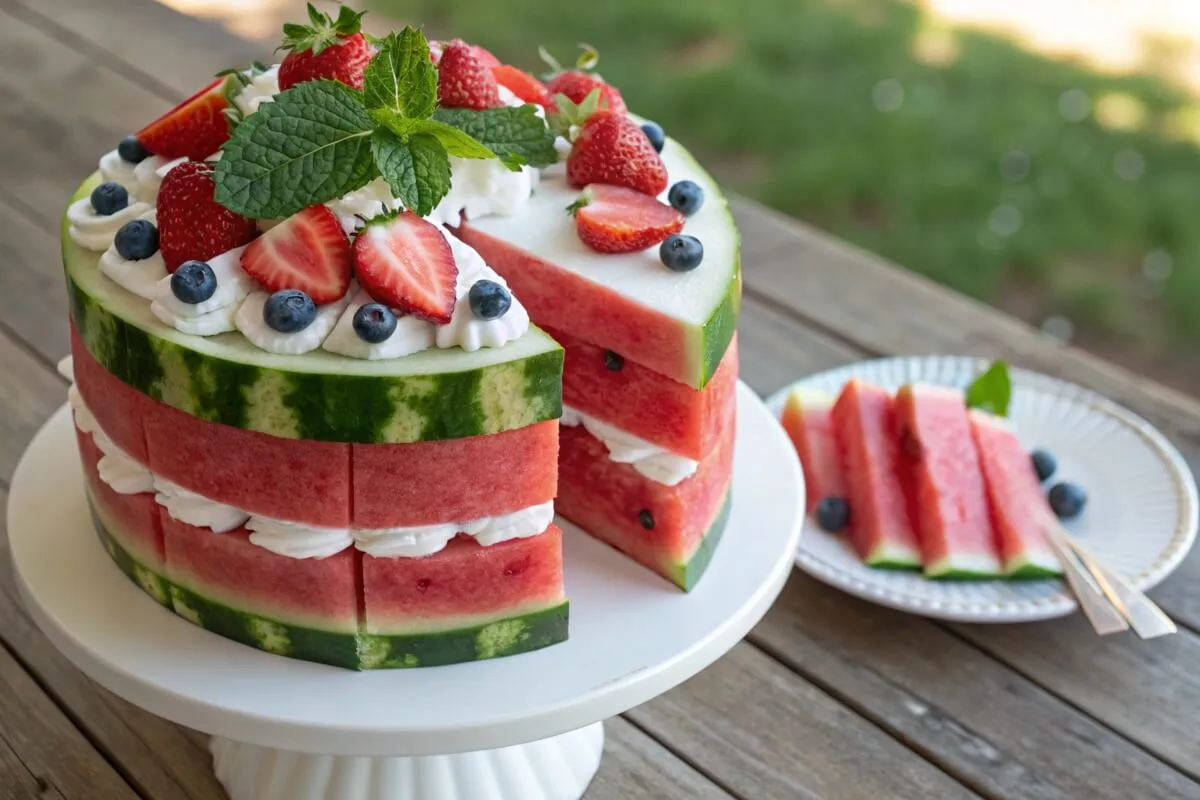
column 764, row 733
column 635, row 767
column 29, row 393
column 33, row 296
column 36, row 737
column 881, row 308
column 995, row 731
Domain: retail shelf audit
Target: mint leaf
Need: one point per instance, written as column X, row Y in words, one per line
column 456, row 142
column 394, row 122
column 418, row 171
column 401, row 77
column 992, row 390
column 518, row 136
column 309, row 146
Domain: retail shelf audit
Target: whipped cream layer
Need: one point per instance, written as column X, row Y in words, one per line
column 96, row 232
column 654, row 462
column 125, row 475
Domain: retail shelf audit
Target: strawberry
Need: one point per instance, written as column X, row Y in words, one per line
column 328, row 48
column 463, row 81
column 613, row 219
column 308, row 251
column 577, row 84
column 191, row 224
column 196, row 128
column 523, row 85
column 406, row 263
column 482, row 54
column 611, row 148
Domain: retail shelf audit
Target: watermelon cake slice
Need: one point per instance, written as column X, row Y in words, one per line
column 881, row 530
column 945, row 483
column 807, row 418
column 1019, row 509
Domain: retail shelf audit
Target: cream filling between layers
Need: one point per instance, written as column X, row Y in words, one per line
column 125, row 475
column 654, row 462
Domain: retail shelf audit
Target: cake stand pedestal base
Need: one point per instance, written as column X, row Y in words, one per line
column 557, row 768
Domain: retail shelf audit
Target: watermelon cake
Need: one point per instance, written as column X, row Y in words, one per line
column 315, row 409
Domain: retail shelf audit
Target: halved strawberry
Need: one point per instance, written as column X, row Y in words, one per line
column 406, row 263
column 196, row 128
column 191, row 224
column 308, row 251
column 463, row 81
column 327, row 48
column 523, row 85
column 611, row 148
column 613, row 219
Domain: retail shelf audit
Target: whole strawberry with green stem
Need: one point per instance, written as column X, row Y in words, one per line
column 326, row 48
column 192, row 226
column 578, row 83
column 608, row 147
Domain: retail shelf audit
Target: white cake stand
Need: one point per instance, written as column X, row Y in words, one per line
column 526, row 727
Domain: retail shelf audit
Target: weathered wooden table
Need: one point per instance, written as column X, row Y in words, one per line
column 828, row 698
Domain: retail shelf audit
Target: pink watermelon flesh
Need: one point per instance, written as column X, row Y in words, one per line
column 132, row 518
column 880, row 528
column 464, row 584
column 605, row 317
column 943, row 477
column 454, row 480
column 228, row 569
column 293, row 479
column 639, row 400
column 607, row 499
column 1019, row 509
column 118, row 407
column 806, row 418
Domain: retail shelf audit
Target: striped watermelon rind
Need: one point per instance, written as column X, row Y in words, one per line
column 687, row 574
column 520, row 633
column 435, row 394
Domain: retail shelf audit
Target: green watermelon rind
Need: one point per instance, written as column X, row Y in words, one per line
column 687, row 574
column 1028, row 568
column 521, row 633
column 887, row 556
column 439, row 394
column 717, row 332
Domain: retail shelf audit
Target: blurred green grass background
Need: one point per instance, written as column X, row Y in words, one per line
column 1039, row 185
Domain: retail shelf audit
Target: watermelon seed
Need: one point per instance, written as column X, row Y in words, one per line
column 613, row 361
column 423, row 584
column 517, row 567
column 647, row 519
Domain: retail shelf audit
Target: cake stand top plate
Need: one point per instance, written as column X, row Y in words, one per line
column 632, row 636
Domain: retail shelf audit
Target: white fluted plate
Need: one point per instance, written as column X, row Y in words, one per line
column 1140, row 519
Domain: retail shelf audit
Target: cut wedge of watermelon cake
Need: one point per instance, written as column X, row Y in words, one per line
column 807, row 418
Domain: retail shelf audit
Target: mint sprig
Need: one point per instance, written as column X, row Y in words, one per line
column 309, row 146
column 991, row 391
column 322, row 139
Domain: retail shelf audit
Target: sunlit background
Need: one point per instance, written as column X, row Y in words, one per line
column 1041, row 155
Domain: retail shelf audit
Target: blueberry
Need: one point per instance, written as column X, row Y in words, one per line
column 654, row 133
column 681, row 253
column 109, row 198
column 194, row 282
column 833, row 514
column 137, row 240
column 1044, row 464
column 646, row 518
column 132, row 151
column 1067, row 500
column 489, row 300
column 374, row 323
column 289, row 310
column 613, row 361
column 686, row 197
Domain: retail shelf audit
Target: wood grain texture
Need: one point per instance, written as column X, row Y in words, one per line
column 636, row 767
column 763, row 733
column 29, row 394
column 41, row 751
column 985, row 723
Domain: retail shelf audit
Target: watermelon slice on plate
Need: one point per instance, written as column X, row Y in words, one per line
column 945, row 483
column 880, row 526
column 807, row 419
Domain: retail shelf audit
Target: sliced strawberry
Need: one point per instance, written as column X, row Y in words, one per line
column 406, row 264
column 463, row 81
column 328, row 48
column 577, row 85
column 613, row 219
column 191, row 224
column 196, row 128
column 523, row 85
column 611, row 148
column 308, row 251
